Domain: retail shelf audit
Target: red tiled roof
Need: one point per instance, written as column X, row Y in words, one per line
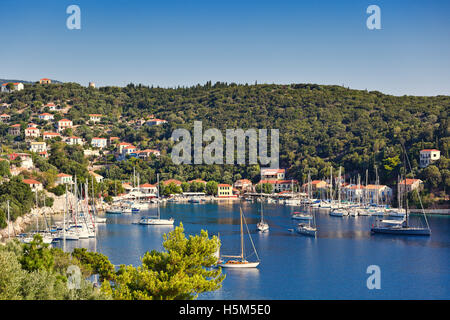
column 31, row 181
column 61, row 175
column 147, row 185
column 429, row 150
column 224, row 185
column 409, row 181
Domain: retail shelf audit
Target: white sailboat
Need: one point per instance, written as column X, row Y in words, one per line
column 339, row 211
column 308, row 229
column 240, row 261
column 158, row 220
column 262, row 225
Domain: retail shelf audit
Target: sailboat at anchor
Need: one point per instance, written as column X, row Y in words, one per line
column 239, row 261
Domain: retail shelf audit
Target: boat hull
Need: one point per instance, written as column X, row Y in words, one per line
column 402, row 231
column 159, row 222
column 239, row 265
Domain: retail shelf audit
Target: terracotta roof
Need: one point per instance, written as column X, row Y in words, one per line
column 429, row 150
column 224, row 185
column 409, row 181
column 147, row 185
column 175, row 181
column 61, row 175
column 31, row 181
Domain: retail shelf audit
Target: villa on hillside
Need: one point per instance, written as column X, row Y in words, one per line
column 98, row 177
column 155, row 122
column 63, row 178
column 32, row 132
column 38, row 147
column 64, row 124
column 99, row 143
column 73, row 140
column 17, row 86
column 427, row 156
column 51, row 106
column 50, row 135
column 410, row 185
column 34, row 184
column 5, row 117
column 14, row 130
column 45, row 81
column 46, row 116
column 95, row 117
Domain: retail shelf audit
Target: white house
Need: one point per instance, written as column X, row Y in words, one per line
column 409, row 185
column 98, row 177
column 17, row 87
column 5, row 117
column 38, row 147
column 427, row 156
column 95, row 117
column 34, row 185
column 99, row 142
column 14, row 130
column 148, row 188
column 46, row 116
column 32, row 132
column 129, row 150
column 51, row 106
column 63, row 178
column 50, row 135
column 74, row 140
column 64, row 124
column 155, row 122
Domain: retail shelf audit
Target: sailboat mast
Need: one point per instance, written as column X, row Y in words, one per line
column 242, row 237
column 157, row 181
column 404, row 186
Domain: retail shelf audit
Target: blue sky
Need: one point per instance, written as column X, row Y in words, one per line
column 171, row 43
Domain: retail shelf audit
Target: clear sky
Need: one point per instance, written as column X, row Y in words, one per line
column 170, row 43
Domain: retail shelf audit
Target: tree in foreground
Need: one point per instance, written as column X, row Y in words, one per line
column 182, row 272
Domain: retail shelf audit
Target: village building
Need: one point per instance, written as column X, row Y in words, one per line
column 155, row 122
column 130, row 150
column 34, row 184
column 64, row 124
column 273, row 174
column 122, row 145
column 113, row 140
column 280, row 185
column 353, row 192
column 428, row 156
column 17, row 86
column 5, row 117
column 174, row 181
column 73, row 140
column 409, row 185
column 44, row 154
column 243, row 185
column 145, row 154
column 32, row 125
column 14, row 130
column 95, row 117
column 51, row 106
column 46, row 116
column 38, row 147
column 50, row 135
column 45, row 81
column 225, row 191
column 25, row 158
column 148, row 188
column 98, row 177
column 378, row 193
column 63, row 178
column 32, row 132
column 99, row 143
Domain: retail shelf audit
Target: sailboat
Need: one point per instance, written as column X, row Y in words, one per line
column 401, row 227
column 240, row 261
column 339, row 212
column 307, row 229
column 158, row 220
column 300, row 215
column 262, row 225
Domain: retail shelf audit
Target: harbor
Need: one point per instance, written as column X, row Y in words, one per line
column 331, row 265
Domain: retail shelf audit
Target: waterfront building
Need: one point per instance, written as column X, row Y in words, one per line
column 225, row 191
column 273, row 174
column 409, row 185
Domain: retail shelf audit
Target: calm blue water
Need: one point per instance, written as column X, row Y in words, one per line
column 332, row 266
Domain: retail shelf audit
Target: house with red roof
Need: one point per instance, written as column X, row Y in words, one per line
column 14, row 130
column 156, row 122
column 64, row 124
column 145, row 154
column 99, row 143
column 63, row 178
column 175, row 181
column 273, row 174
column 51, row 106
column 34, row 184
column 280, row 185
column 45, row 81
column 148, row 188
column 50, row 135
column 225, row 191
column 17, row 86
column 243, row 185
column 73, row 140
column 409, row 185
column 5, row 117
column 32, row 132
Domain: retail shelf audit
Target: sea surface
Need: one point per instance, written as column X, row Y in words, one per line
column 331, row 266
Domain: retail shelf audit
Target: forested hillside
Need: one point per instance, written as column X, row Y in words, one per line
column 319, row 125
